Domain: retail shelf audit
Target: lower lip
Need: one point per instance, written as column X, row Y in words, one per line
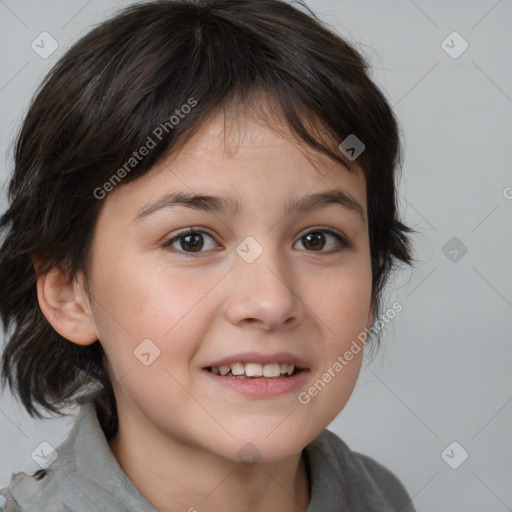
column 259, row 387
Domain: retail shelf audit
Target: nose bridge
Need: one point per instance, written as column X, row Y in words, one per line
column 262, row 284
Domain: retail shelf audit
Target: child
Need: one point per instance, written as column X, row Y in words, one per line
column 202, row 219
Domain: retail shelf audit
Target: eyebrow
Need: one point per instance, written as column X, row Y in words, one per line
column 215, row 204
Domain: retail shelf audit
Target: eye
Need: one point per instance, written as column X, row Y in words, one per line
column 316, row 240
column 190, row 242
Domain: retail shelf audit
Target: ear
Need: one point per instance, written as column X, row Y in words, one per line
column 65, row 304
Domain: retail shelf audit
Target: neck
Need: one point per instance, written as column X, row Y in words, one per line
column 176, row 477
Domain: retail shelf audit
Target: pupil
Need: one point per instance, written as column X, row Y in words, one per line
column 316, row 235
column 188, row 241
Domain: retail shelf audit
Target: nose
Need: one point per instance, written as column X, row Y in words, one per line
column 263, row 291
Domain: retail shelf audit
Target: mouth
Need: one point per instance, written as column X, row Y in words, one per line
column 268, row 371
column 259, row 375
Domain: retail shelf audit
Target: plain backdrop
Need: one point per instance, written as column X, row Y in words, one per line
column 442, row 375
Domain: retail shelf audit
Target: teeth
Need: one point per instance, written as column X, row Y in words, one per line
column 271, row 370
column 254, row 369
column 237, row 369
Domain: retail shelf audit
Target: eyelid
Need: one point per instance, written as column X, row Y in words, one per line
column 343, row 240
column 168, row 241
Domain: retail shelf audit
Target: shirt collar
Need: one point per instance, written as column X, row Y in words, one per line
column 336, row 478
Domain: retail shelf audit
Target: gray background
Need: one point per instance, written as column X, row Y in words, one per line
column 443, row 372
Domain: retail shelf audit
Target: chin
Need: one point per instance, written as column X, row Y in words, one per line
column 273, row 443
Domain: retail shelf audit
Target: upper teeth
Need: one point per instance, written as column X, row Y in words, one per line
column 255, row 369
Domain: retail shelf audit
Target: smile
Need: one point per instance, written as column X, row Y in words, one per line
column 254, row 370
column 258, row 375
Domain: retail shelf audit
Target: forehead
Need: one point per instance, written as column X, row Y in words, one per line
column 245, row 134
column 246, row 161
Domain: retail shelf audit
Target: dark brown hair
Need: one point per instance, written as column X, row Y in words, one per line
column 110, row 92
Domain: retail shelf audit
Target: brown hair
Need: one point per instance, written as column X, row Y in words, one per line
column 113, row 89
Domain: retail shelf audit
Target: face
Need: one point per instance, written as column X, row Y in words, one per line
column 254, row 289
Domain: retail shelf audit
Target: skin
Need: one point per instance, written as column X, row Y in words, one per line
column 179, row 433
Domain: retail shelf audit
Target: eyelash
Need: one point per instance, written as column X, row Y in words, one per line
column 343, row 241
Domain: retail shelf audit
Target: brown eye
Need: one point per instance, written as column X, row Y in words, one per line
column 315, row 241
column 194, row 241
column 188, row 242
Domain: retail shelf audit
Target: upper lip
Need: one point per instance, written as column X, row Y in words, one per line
column 258, row 357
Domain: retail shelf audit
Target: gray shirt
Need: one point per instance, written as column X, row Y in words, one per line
column 86, row 477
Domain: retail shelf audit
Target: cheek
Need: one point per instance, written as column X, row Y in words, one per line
column 330, row 389
column 343, row 302
column 132, row 298
column 343, row 310
column 133, row 302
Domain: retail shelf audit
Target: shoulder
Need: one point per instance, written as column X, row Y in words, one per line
column 24, row 490
column 83, row 476
column 49, row 489
column 363, row 477
column 388, row 482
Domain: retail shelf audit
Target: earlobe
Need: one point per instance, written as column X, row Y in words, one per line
column 65, row 305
